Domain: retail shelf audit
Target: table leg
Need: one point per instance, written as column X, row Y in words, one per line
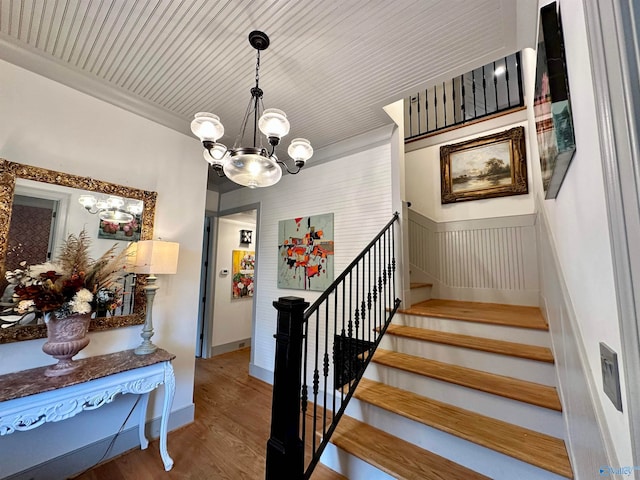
column 169, row 391
column 144, row 401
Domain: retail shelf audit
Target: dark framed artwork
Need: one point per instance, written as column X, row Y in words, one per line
column 486, row 167
column 552, row 106
column 245, row 236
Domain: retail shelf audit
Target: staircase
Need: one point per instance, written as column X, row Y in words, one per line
column 456, row 390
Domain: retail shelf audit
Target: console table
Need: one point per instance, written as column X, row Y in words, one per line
column 28, row 399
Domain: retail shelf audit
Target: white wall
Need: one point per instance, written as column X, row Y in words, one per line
column 231, row 316
column 49, row 125
column 579, row 236
column 355, row 187
column 422, row 166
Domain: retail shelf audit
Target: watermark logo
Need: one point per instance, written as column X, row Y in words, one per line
column 608, row 471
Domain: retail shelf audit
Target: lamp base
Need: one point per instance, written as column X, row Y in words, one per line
column 145, row 348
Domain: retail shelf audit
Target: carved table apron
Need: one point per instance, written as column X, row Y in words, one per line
column 28, row 399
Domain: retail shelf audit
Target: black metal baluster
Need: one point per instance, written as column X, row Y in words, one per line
column 410, row 116
column 519, row 69
column 335, row 330
column 325, row 369
column 495, row 85
column 342, row 337
column 418, row 105
column 369, row 293
column 463, row 99
column 393, row 264
column 304, row 397
column 473, row 89
column 357, row 311
column 453, row 95
column 316, row 384
column 435, row 104
column 506, row 77
column 444, row 102
column 484, row 90
column 363, row 304
column 426, row 110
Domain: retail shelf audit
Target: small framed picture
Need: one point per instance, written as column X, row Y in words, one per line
column 245, row 236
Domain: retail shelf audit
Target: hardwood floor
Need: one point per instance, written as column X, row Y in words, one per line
column 227, row 440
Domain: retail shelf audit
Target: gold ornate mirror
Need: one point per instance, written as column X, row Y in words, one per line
column 18, row 182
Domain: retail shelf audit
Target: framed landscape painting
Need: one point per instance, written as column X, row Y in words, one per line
column 486, row 167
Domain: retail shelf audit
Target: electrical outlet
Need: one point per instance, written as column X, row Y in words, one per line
column 610, row 375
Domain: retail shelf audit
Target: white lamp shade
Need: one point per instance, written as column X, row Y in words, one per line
column 156, row 257
column 87, row 201
column 300, row 149
column 274, row 123
column 207, row 127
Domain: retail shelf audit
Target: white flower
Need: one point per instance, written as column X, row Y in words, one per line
column 25, row 306
column 83, row 295
column 80, row 307
column 34, row 271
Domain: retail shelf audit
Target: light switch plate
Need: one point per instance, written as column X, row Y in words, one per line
column 610, row 375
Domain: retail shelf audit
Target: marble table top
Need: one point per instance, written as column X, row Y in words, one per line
column 33, row 381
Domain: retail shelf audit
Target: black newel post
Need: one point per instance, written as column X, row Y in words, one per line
column 285, row 454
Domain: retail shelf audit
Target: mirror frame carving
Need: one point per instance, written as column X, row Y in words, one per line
column 9, row 172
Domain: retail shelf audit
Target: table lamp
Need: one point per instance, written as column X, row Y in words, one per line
column 153, row 257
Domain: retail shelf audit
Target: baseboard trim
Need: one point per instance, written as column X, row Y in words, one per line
column 261, row 373
column 230, row 347
column 90, row 455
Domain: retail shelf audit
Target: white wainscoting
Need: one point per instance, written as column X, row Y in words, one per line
column 487, row 260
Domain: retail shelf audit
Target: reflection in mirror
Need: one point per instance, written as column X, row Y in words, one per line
column 39, row 208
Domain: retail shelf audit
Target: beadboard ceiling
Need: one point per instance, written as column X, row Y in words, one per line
column 331, row 65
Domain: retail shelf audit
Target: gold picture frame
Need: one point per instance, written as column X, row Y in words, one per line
column 9, row 173
column 485, row 167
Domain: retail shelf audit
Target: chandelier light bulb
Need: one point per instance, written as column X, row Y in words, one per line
column 274, row 123
column 115, row 203
column 87, row 201
column 207, row 127
column 300, row 150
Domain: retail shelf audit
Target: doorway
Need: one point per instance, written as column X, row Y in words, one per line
column 225, row 321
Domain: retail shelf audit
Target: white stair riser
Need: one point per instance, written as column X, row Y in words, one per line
column 485, row 330
column 475, row 457
column 350, row 466
column 529, row 416
column 522, row 368
column 420, row 294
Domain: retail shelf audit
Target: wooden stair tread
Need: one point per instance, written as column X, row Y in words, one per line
column 531, row 352
column 535, row 448
column 513, row 388
column 494, row 313
column 400, row 459
column 419, row 285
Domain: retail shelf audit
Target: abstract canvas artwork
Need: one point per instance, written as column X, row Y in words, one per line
column 305, row 252
column 243, row 265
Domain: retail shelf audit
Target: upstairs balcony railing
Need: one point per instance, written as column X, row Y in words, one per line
column 321, row 355
column 488, row 90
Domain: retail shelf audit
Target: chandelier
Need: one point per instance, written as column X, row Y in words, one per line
column 251, row 166
column 113, row 209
